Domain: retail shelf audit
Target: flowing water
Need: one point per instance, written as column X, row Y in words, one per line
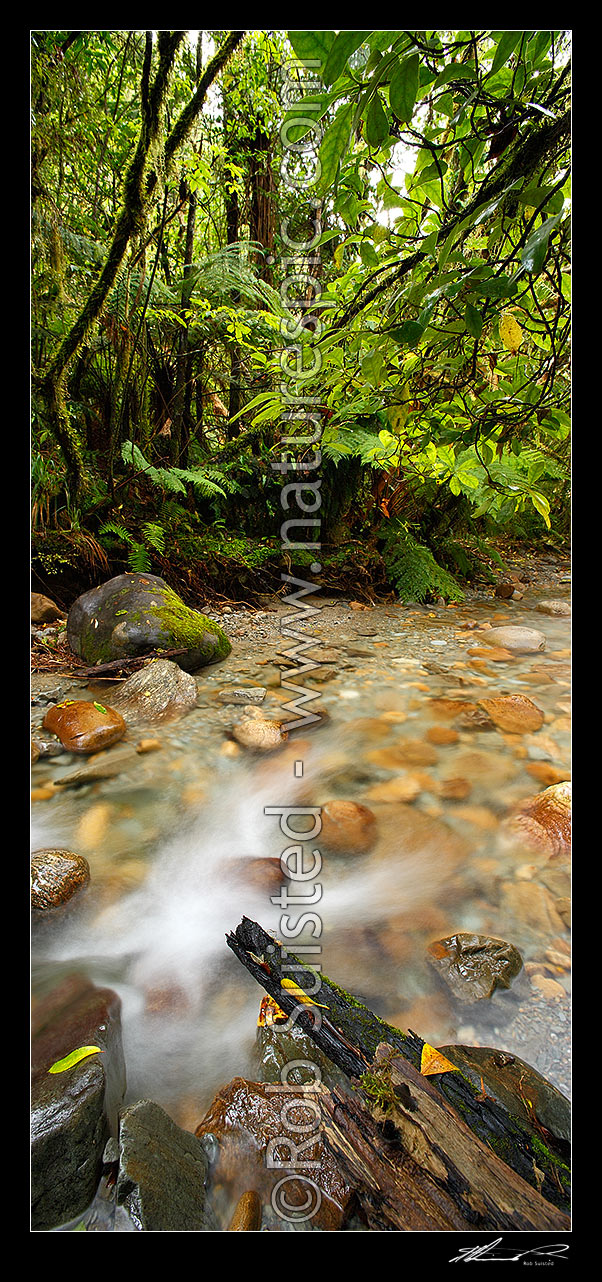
column 175, row 837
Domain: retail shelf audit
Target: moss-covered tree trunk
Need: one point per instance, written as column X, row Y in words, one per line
column 140, row 183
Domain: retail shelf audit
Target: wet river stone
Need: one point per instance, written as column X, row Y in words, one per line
column 56, row 876
column 544, row 822
column 162, row 1173
column 553, row 607
column 258, row 732
column 518, row 640
column 133, row 614
column 161, row 691
column 348, row 827
column 82, row 726
column 72, row 1112
column 252, row 1122
column 514, row 713
column 473, row 966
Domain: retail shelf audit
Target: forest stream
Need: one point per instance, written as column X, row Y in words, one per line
column 177, row 837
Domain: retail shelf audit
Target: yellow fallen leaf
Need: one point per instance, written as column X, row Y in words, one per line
column 300, row 995
column 270, row 1013
column 511, row 333
column 432, row 1061
column 75, row 1057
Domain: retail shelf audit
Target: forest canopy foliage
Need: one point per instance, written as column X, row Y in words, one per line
column 166, row 168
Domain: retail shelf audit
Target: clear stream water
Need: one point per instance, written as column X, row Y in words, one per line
column 173, row 837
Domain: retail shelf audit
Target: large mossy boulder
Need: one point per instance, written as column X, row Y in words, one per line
column 134, row 614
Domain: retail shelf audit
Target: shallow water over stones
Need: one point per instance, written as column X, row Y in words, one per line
column 169, row 833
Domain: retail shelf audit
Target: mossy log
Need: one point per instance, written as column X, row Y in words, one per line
column 416, row 1165
column 350, row 1033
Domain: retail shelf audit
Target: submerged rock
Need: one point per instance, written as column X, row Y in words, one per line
column 515, row 1085
column 257, row 731
column 133, row 614
column 247, row 1216
column 249, row 695
column 82, row 726
column 160, row 691
column 72, row 1112
column 348, row 827
column 56, row 876
column 162, row 1173
column 473, row 966
column 514, row 713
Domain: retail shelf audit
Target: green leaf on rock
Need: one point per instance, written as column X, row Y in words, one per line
column 82, row 1052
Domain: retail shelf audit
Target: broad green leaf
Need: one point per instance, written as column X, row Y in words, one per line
column 495, row 287
column 75, row 1057
column 534, row 252
column 474, row 321
column 312, row 46
column 368, row 254
column 410, row 332
column 334, row 145
column 345, row 44
column 404, row 87
column 372, row 365
column 376, row 125
column 506, row 47
column 454, row 71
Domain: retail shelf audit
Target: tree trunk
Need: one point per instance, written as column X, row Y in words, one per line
column 139, row 187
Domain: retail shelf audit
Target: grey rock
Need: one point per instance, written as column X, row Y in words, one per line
column 162, row 1173
column 553, row 607
column 72, row 1112
column 520, row 640
column 244, row 695
column 160, row 691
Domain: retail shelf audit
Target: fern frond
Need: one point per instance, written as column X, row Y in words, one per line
column 413, row 569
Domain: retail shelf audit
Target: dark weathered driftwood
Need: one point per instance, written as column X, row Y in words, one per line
column 349, row 1033
column 129, row 663
column 416, row 1164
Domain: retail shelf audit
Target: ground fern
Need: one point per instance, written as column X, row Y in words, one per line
column 412, row 569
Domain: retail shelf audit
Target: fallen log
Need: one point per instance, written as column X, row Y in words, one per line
column 350, row 1034
column 127, row 664
column 414, row 1162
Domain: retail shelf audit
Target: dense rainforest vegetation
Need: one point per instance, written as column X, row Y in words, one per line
column 391, row 206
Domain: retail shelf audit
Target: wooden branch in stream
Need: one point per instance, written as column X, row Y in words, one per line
column 418, row 1164
column 350, row 1034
